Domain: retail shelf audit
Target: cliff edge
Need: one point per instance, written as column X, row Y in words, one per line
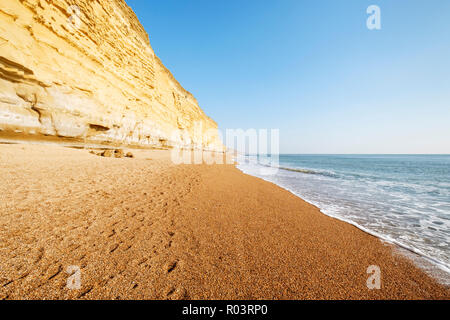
column 84, row 71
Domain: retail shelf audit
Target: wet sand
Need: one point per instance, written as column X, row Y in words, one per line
column 145, row 228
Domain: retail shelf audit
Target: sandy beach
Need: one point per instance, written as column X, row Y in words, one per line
column 144, row 228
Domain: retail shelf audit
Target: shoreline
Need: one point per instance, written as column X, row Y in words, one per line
column 433, row 267
column 145, row 228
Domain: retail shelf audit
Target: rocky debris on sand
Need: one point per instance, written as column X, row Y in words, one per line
column 107, row 153
column 118, row 153
column 112, row 153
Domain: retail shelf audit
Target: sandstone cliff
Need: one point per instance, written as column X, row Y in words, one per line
column 84, row 71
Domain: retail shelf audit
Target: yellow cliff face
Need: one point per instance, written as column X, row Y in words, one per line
column 84, row 70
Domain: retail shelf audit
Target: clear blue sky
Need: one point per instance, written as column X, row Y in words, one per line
column 313, row 70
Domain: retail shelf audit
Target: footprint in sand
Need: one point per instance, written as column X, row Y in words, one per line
column 171, row 266
column 177, row 293
column 113, row 248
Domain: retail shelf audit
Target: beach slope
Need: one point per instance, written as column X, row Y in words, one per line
column 145, row 228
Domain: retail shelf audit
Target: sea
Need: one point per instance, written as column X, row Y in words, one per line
column 402, row 199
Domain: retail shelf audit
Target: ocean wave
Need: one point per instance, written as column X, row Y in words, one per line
column 306, row 171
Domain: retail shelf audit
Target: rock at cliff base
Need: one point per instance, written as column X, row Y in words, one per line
column 107, row 153
column 118, row 153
